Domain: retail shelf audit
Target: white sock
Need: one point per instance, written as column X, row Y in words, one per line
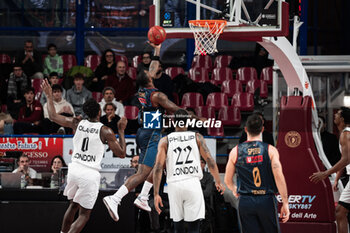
column 146, row 188
column 122, row 191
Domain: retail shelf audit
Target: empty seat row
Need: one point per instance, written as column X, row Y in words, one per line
column 244, row 101
column 206, row 61
column 219, row 75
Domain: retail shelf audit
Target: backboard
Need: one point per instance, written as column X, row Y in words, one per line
column 246, row 19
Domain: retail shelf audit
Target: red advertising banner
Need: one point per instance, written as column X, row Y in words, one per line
column 39, row 150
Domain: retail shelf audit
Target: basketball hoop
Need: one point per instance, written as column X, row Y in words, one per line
column 206, row 34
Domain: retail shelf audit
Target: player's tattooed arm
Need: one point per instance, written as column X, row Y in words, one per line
column 159, row 98
column 154, row 66
column 213, row 168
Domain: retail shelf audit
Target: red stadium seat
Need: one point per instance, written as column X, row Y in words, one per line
column 192, row 100
column 199, row 75
column 92, row 61
column 244, row 74
column 202, row 61
column 97, row 96
column 244, row 101
column 221, row 74
column 231, row 87
column 123, row 58
column 264, row 91
column 230, row 116
column 132, row 72
column 205, row 111
column 36, row 84
column 131, row 112
column 222, row 61
column 217, row 100
column 136, row 61
column 216, row 131
column 266, row 75
column 69, row 61
column 174, row 71
column 252, row 85
column 4, row 58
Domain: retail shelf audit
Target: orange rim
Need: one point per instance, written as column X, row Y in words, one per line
column 205, row 23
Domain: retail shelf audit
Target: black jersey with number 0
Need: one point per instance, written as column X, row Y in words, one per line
column 253, row 167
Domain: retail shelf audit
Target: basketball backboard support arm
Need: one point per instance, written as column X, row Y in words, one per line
column 296, row 77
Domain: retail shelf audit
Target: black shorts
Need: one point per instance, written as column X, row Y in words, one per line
column 258, row 213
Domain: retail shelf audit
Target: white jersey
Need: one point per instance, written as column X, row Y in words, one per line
column 347, row 129
column 183, row 157
column 88, row 148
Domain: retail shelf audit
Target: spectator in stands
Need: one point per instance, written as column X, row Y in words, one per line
column 62, row 107
column 145, row 62
column 23, row 167
column 134, row 162
column 266, row 136
column 18, row 82
column 108, row 97
column 30, row 60
column 106, row 68
column 53, row 79
column 330, row 143
column 6, row 123
column 164, row 83
column 123, row 85
column 56, row 163
column 110, row 119
column 53, row 62
column 78, row 94
column 30, row 114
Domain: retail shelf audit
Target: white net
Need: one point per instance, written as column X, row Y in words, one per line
column 206, row 34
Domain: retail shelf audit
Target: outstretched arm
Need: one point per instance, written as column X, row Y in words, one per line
column 213, row 168
column 230, row 171
column 59, row 119
column 108, row 136
column 344, row 160
column 153, row 67
column 157, row 173
column 280, row 181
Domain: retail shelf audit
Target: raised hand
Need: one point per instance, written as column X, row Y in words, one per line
column 45, row 86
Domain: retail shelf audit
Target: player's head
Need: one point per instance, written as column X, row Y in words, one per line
column 181, row 115
column 254, row 125
column 143, row 79
column 343, row 115
column 91, row 108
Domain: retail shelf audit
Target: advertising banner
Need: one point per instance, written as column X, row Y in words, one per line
column 40, row 150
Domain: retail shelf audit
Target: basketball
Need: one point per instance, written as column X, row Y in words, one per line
column 156, row 35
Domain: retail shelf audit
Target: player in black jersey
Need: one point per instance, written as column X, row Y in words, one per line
column 259, row 175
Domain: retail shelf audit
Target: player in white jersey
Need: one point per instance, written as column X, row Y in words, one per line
column 181, row 151
column 342, row 121
column 88, row 148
